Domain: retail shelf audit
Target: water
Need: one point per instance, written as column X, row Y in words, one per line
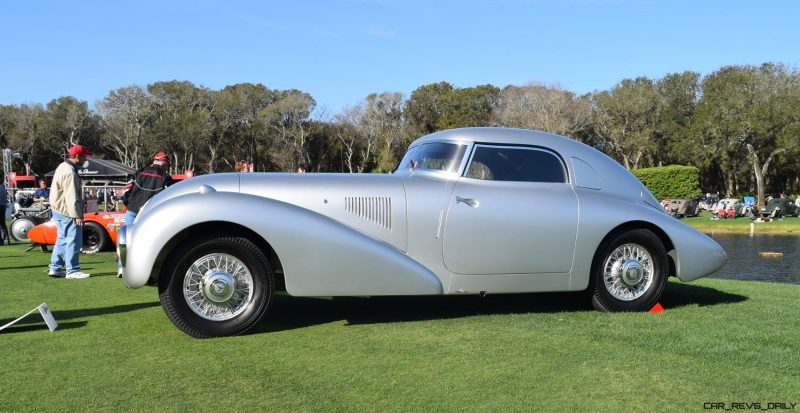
column 744, row 263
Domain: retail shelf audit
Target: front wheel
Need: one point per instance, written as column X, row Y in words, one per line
column 217, row 287
column 20, row 228
column 629, row 272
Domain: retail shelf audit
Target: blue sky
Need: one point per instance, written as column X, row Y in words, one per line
column 340, row 51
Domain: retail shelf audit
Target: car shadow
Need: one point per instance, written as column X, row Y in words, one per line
column 290, row 313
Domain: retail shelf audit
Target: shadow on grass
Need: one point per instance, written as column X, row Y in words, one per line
column 82, row 313
column 290, row 313
column 22, row 267
column 40, row 325
column 680, row 295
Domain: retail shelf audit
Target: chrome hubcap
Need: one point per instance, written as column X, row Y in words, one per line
column 218, row 287
column 628, row 272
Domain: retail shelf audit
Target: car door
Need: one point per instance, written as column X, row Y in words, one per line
column 512, row 212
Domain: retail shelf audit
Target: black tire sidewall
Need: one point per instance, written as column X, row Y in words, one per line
column 182, row 315
column 102, row 237
column 602, row 298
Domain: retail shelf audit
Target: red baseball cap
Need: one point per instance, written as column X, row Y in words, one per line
column 161, row 156
column 79, row 150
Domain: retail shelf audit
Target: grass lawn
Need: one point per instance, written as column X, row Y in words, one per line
column 790, row 225
column 718, row 341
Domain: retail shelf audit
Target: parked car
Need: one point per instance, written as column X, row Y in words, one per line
column 707, row 202
column 99, row 231
column 780, row 207
column 25, row 218
column 682, row 208
column 468, row 211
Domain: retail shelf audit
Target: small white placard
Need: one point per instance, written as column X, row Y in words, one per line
column 46, row 315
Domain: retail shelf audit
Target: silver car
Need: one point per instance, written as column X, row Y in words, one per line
column 468, row 211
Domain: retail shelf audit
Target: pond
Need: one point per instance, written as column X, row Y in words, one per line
column 745, row 263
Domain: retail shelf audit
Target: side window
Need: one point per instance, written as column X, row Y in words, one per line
column 436, row 155
column 504, row 163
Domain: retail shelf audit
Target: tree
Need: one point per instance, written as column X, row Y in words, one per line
column 624, row 120
column 542, row 107
column 181, row 122
column 289, row 119
column 69, row 122
column 126, row 113
column 425, row 107
column 470, row 106
column 752, row 110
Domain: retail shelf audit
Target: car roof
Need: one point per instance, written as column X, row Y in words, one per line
column 510, row 136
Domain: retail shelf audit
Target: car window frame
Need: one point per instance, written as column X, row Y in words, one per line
column 476, row 145
column 461, row 165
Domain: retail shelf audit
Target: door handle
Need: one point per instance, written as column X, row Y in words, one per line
column 472, row 202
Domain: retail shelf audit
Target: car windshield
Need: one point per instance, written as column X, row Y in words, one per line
column 436, row 155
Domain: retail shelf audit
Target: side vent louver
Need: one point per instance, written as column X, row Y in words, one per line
column 375, row 209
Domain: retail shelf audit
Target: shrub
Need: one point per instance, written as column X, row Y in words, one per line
column 673, row 181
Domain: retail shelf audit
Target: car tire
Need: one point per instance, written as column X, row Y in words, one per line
column 629, row 272
column 216, row 287
column 19, row 229
column 95, row 238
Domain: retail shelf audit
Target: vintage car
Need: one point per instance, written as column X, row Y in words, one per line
column 682, row 208
column 99, row 231
column 468, row 211
column 779, row 208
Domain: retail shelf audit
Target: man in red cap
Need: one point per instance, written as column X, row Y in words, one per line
column 147, row 182
column 66, row 203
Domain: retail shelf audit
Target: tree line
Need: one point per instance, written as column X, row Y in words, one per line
column 738, row 125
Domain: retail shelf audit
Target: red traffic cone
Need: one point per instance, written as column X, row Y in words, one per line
column 657, row 309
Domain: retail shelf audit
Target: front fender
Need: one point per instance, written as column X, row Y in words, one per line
column 320, row 256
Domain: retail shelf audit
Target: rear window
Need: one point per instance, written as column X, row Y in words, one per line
column 504, row 163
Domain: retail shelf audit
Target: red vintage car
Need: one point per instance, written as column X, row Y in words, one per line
column 99, row 231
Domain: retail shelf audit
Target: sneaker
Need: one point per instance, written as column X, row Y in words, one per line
column 56, row 273
column 119, row 272
column 77, row 275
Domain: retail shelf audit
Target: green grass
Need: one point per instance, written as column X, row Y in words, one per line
column 719, row 340
column 704, row 223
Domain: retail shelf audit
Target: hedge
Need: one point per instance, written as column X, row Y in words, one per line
column 673, row 181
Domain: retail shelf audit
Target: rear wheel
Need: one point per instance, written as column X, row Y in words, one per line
column 216, row 287
column 95, row 238
column 20, row 228
column 629, row 272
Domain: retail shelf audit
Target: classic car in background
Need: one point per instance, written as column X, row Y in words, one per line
column 468, row 211
column 780, row 207
column 99, row 231
column 707, row 202
column 682, row 208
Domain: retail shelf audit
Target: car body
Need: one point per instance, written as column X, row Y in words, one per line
column 683, row 208
column 780, row 207
column 99, row 231
column 468, row 211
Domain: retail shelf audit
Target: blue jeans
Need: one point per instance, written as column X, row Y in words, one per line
column 129, row 217
column 68, row 244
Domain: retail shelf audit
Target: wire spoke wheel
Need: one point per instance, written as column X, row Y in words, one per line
column 218, row 287
column 628, row 272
